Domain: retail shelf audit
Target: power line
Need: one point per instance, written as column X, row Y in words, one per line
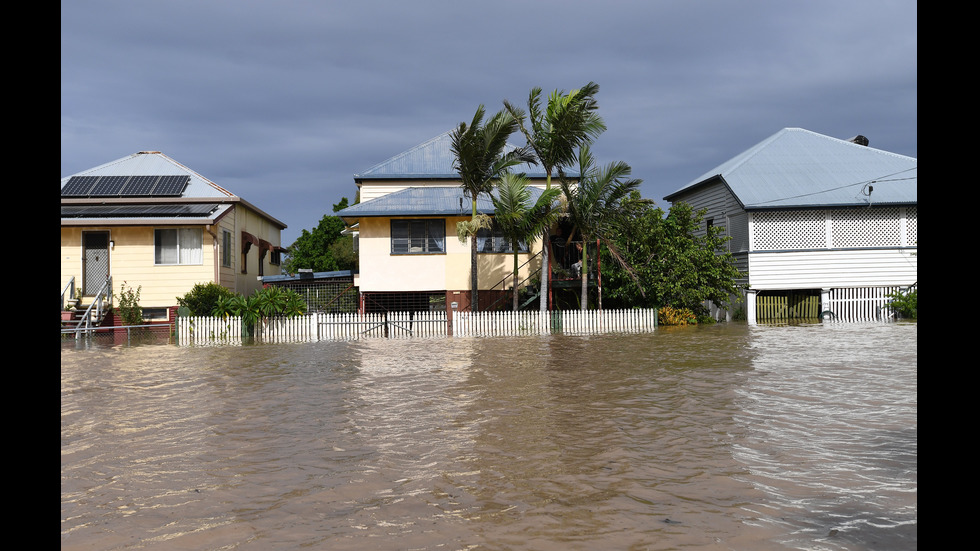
column 885, row 178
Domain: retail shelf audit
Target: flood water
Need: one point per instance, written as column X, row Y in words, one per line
column 724, row 437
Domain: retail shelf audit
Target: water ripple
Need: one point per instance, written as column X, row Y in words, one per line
column 722, row 437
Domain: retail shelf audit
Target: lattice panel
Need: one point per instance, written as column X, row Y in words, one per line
column 866, row 228
column 912, row 225
column 781, row 230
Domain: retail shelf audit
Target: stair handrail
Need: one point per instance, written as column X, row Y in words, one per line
column 518, row 285
column 104, row 295
column 69, row 290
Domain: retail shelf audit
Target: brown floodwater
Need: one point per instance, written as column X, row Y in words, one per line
column 724, row 437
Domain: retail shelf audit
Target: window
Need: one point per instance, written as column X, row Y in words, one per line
column 492, row 240
column 226, row 248
column 418, row 236
column 156, row 314
column 178, row 246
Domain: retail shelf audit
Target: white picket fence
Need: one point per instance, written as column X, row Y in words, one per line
column 567, row 322
column 861, row 304
column 395, row 325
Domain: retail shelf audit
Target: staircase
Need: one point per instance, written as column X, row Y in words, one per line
column 86, row 317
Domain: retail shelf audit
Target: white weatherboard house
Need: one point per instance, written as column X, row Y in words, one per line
column 808, row 213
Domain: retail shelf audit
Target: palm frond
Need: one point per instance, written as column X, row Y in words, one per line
column 466, row 229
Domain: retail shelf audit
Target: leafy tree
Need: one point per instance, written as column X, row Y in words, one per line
column 556, row 131
column 520, row 219
column 481, row 156
column 324, row 249
column 594, row 206
column 675, row 262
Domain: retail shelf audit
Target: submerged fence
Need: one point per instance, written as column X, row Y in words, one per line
column 323, row 326
column 861, row 304
column 787, row 306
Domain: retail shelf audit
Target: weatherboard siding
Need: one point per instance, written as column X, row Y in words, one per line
column 249, row 221
column 131, row 262
column 831, row 269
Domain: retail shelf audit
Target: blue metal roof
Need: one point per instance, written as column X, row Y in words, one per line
column 424, row 201
column 797, row 168
column 432, row 159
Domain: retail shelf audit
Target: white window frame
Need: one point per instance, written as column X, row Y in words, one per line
column 183, row 247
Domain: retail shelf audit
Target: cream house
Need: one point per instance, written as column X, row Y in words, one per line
column 147, row 221
column 409, row 255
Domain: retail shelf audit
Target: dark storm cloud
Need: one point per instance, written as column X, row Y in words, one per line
column 282, row 102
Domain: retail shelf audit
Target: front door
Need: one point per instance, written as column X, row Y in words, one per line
column 95, row 261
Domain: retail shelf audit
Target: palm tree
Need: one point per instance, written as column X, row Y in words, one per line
column 481, row 155
column 595, row 204
column 520, row 218
column 567, row 122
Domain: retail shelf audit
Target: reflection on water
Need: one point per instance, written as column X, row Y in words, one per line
column 720, row 437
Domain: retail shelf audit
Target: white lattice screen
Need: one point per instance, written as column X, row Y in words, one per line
column 849, row 228
column 866, row 228
column 912, row 224
column 778, row 230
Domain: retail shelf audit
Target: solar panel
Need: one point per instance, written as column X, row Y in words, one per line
column 126, row 186
column 137, row 211
column 109, row 185
column 78, row 186
column 171, row 185
column 140, row 185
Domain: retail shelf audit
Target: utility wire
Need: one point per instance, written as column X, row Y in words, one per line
column 885, row 178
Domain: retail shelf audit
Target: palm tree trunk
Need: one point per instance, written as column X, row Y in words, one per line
column 585, row 273
column 545, row 257
column 474, row 279
column 598, row 271
column 516, row 305
column 475, row 291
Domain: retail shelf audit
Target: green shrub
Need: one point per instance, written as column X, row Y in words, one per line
column 203, row 297
column 905, row 305
column 263, row 303
column 668, row 315
column 129, row 309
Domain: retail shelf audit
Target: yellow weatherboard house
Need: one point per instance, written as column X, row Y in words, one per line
column 146, row 221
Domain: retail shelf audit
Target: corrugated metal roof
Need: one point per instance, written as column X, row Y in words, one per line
column 799, row 168
column 155, row 163
column 424, row 201
column 432, row 159
column 308, row 276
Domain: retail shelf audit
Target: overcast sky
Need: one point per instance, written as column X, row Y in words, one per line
column 282, row 102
